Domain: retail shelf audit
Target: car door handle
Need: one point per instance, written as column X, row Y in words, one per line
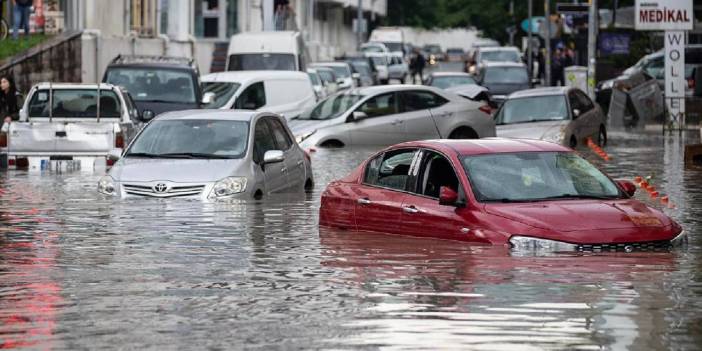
column 364, row 201
column 61, row 134
column 410, row 209
column 283, row 170
column 396, row 122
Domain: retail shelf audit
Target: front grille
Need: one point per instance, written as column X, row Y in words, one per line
column 627, row 247
column 174, row 191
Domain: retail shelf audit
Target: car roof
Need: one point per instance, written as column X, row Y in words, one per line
column 51, row 85
column 379, row 89
column 153, row 61
column 330, row 64
column 205, row 114
column 498, row 48
column 468, row 147
column 245, row 76
column 540, row 92
column 503, row 64
column 450, row 74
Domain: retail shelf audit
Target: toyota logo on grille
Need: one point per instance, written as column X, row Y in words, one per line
column 160, row 188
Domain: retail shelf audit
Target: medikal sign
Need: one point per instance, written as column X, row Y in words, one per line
column 664, row 15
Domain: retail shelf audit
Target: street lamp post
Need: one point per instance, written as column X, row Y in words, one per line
column 530, row 59
column 359, row 25
column 547, row 40
column 591, row 47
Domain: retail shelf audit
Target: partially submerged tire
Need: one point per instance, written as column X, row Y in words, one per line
column 463, row 133
column 332, row 144
column 602, row 137
column 573, row 142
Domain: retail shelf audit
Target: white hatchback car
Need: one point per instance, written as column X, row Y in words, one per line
column 385, row 115
column 210, row 155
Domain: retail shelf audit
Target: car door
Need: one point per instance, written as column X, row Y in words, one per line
column 251, row 98
column 274, row 174
column 381, row 125
column 592, row 116
column 422, row 215
column 379, row 198
column 417, row 117
column 294, row 158
column 583, row 122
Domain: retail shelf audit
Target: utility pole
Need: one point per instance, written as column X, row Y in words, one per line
column 359, row 25
column 547, row 59
column 530, row 59
column 591, row 47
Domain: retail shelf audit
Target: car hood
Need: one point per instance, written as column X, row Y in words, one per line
column 304, row 126
column 175, row 170
column 505, row 88
column 161, row 107
column 533, row 130
column 582, row 215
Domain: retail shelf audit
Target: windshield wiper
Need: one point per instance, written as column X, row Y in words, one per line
column 192, row 155
column 165, row 101
column 579, row 196
column 141, row 154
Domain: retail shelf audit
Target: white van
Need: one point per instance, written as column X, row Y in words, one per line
column 392, row 37
column 281, row 92
column 278, row 51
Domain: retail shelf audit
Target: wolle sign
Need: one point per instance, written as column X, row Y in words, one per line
column 674, row 17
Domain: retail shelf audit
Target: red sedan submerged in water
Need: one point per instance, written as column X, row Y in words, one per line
column 530, row 194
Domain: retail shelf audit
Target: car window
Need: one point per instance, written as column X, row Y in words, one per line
column 390, row 170
column 655, row 68
column 584, row 101
column 130, row 105
column 436, row 171
column 74, row 103
column 282, row 138
column 223, row 93
column 420, row 100
column 155, row 84
column 254, row 97
column 574, row 102
column 263, row 140
column 380, row 105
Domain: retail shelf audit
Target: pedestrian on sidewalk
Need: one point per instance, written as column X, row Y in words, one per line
column 10, row 100
column 420, row 62
column 21, row 17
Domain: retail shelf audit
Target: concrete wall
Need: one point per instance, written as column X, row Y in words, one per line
column 56, row 60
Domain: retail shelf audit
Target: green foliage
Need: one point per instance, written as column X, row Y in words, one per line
column 10, row 47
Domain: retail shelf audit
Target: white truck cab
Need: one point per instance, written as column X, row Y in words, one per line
column 69, row 126
column 278, row 51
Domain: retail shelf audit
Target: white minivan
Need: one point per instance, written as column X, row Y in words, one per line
column 282, row 92
column 278, row 51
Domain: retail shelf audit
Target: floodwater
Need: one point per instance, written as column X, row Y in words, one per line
column 78, row 271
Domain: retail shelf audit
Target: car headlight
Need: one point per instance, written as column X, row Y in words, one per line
column 679, row 240
column 106, row 185
column 531, row 244
column 228, row 186
column 300, row 138
column 555, row 136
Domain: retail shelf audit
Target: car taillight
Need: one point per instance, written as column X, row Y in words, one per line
column 11, row 162
column 119, row 141
column 3, row 140
column 110, row 162
column 486, row 108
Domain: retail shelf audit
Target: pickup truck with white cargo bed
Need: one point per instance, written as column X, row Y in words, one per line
column 68, row 126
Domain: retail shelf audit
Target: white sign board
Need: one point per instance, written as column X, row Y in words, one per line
column 675, row 82
column 663, row 15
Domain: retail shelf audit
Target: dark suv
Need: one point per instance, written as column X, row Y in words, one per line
column 157, row 83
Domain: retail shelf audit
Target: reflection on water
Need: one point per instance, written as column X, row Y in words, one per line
column 80, row 271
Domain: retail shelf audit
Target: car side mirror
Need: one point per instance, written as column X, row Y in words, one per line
column 115, row 154
column 447, row 196
column 628, row 187
column 576, row 113
column 208, row 98
column 273, row 156
column 356, row 76
column 359, row 115
column 340, row 81
column 147, row 115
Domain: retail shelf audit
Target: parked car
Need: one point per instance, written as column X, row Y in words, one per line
column 342, row 71
column 433, row 53
column 532, row 195
column 503, row 78
column 455, row 55
column 210, row 155
column 320, row 90
column 385, row 115
column 269, row 50
column 362, row 59
column 562, row 115
column 446, row 80
column 392, row 37
column 67, row 125
column 398, row 68
column 374, row 47
column 381, row 63
column 157, row 83
column 494, row 54
column 328, row 79
column 365, row 76
column 286, row 93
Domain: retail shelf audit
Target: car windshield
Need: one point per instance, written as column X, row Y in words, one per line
column 266, row 62
column 379, row 60
column 223, row 92
column 196, row 138
column 533, row 109
column 455, row 51
column 500, row 56
column 74, row 103
column 362, row 69
column 340, row 71
column 506, row 75
column 393, row 46
column 536, row 176
column 372, row 48
column 314, row 78
column 451, row 81
column 155, row 84
column 332, row 107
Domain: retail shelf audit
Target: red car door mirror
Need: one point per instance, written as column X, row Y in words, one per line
column 628, row 187
column 447, row 196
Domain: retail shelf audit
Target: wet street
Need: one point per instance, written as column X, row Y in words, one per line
column 79, row 271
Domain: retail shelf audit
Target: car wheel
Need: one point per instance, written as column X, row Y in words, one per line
column 332, row 144
column 309, row 185
column 573, row 142
column 602, row 137
column 258, row 195
column 463, row 133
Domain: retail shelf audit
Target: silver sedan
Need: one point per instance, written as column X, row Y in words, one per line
column 210, row 155
column 391, row 114
column 561, row 115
